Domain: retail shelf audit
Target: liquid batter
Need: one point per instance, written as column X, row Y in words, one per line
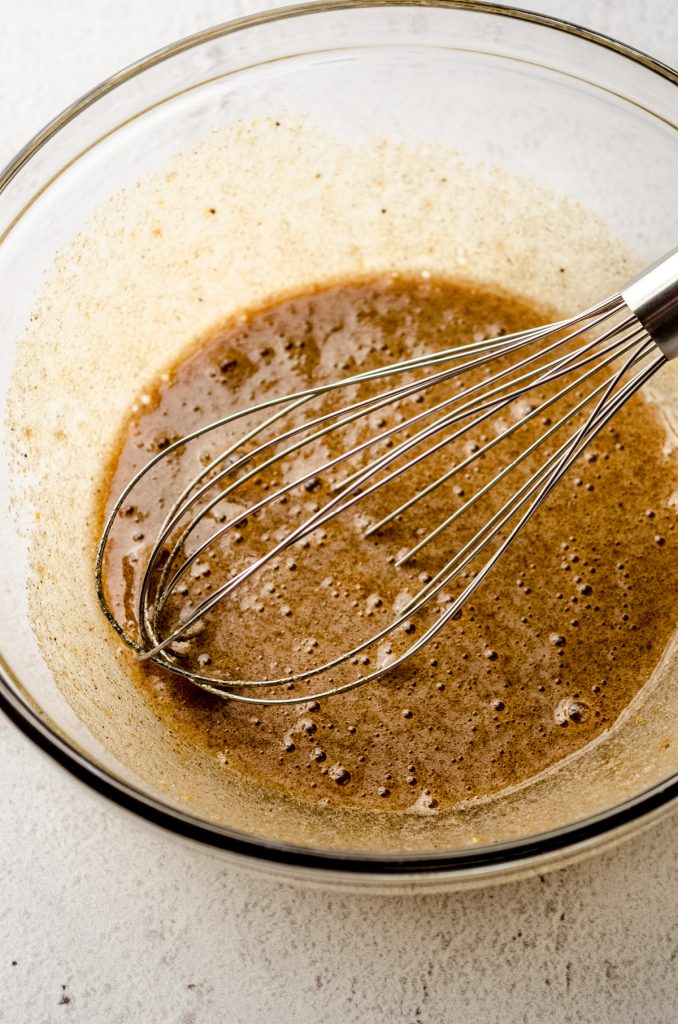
column 547, row 654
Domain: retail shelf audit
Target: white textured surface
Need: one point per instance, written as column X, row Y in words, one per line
column 103, row 920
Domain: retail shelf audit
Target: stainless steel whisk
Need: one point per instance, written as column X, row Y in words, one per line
column 636, row 332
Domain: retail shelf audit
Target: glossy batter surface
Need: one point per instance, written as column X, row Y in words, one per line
column 550, row 650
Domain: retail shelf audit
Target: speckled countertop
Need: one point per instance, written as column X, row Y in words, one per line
column 102, row 921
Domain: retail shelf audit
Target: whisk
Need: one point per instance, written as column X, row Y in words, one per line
column 627, row 338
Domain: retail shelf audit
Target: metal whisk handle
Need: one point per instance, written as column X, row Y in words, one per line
column 653, row 297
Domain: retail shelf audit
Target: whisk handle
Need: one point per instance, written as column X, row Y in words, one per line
column 653, row 297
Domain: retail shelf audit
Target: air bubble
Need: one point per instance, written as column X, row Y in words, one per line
column 339, row 774
column 571, row 710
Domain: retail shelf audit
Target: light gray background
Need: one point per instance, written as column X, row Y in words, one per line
column 109, row 922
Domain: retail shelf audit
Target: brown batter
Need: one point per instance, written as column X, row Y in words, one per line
column 551, row 648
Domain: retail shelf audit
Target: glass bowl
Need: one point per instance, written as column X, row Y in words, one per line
column 581, row 116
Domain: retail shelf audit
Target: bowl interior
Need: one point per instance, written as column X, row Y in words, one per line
column 502, row 149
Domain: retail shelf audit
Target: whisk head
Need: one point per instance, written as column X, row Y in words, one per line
column 283, row 473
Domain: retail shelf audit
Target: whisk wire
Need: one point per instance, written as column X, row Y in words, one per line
column 408, row 442
column 548, row 474
column 313, row 523
column 190, row 497
column 593, row 426
column 337, row 506
column 616, row 353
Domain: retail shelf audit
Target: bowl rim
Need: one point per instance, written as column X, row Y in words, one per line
column 316, row 7
column 508, row 855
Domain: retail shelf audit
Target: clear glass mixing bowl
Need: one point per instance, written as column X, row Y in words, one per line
column 581, row 114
